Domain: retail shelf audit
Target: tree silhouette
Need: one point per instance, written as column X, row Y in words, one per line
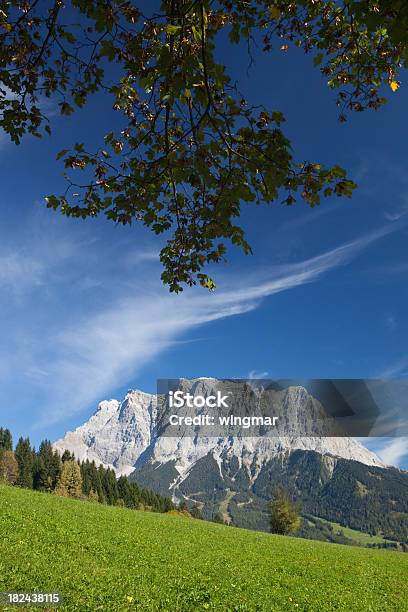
column 191, row 150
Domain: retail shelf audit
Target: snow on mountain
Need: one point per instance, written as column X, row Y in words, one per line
column 116, row 434
column 123, row 435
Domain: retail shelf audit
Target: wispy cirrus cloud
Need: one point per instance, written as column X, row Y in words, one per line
column 27, row 268
column 91, row 323
column 141, row 256
column 19, row 271
column 104, row 350
column 392, row 451
column 256, row 375
column 397, row 213
column 396, row 369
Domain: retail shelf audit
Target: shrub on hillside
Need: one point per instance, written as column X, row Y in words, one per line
column 284, row 513
column 8, row 467
column 70, row 482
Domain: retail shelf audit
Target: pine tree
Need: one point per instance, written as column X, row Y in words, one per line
column 110, row 486
column 67, row 456
column 56, row 468
column 96, row 483
column 284, row 513
column 47, row 467
column 25, row 459
column 8, row 467
column 38, row 473
column 93, row 496
column 70, row 482
column 218, row 518
column 168, row 505
column 134, row 495
column 6, row 441
column 86, row 478
column 125, row 492
column 195, row 512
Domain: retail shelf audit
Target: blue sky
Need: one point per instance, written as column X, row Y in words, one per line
column 83, row 315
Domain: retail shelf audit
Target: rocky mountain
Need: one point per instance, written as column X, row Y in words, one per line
column 116, row 434
column 335, row 478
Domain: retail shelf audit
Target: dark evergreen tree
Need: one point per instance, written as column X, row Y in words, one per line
column 67, row 456
column 6, row 441
column 218, row 518
column 96, row 483
column 167, row 504
column 24, row 455
column 196, row 512
column 38, row 473
column 47, row 467
column 110, row 486
column 127, row 493
column 86, row 478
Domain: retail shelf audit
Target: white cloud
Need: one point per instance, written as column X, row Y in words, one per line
column 135, row 258
column 20, row 272
column 256, row 375
column 105, row 350
column 394, row 370
column 36, row 265
column 394, row 451
column 397, row 214
column 38, row 257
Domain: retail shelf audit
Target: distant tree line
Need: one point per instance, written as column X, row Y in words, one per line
column 400, row 546
column 46, row 470
column 314, row 529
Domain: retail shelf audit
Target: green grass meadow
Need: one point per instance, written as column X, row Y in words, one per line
column 107, row 558
column 358, row 536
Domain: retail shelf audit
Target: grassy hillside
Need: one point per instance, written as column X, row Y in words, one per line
column 107, row 558
column 358, row 536
column 366, row 498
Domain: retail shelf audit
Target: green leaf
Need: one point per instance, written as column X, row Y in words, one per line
column 62, row 153
column 108, row 50
column 317, row 60
column 172, row 29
